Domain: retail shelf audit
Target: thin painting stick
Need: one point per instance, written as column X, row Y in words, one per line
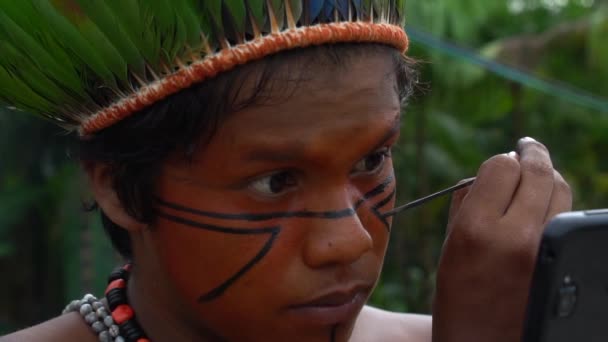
column 423, row 200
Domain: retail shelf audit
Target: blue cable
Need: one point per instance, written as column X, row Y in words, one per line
column 557, row 89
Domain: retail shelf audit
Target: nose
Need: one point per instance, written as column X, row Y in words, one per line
column 340, row 241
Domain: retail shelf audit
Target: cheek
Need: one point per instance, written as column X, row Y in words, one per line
column 199, row 262
column 202, row 264
column 372, row 213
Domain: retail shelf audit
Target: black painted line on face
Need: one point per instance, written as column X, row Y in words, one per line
column 376, row 209
column 219, row 229
column 332, row 336
column 336, row 214
column 378, row 190
column 220, row 289
column 273, row 231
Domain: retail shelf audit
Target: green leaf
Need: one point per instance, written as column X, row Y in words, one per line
column 6, row 249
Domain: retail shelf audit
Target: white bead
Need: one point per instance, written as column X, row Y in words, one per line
column 90, row 318
column 119, row 339
column 89, row 298
column 85, row 309
column 104, row 336
column 97, row 305
column 98, row 327
column 74, row 305
column 114, row 330
column 101, row 313
column 108, row 321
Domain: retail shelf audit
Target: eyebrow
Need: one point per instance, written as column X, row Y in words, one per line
column 391, row 132
column 292, row 152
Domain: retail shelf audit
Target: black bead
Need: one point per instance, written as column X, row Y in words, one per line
column 116, row 297
column 119, row 273
column 131, row 330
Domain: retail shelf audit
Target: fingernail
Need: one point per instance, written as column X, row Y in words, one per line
column 528, row 139
column 513, row 154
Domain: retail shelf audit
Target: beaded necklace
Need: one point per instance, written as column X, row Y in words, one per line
column 120, row 324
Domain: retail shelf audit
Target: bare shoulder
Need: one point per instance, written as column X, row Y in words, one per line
column 68, row 327
column 380, row 325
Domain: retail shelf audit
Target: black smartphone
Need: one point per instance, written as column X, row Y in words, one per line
column 569, row 294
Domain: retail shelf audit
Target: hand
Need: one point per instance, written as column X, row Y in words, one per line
column 488, row 258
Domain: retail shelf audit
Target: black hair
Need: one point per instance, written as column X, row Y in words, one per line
column 135, row 148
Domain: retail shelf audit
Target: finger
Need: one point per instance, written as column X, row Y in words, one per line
column 533, row 195
column 494, row 187
column 457, row 198
column 561, row 198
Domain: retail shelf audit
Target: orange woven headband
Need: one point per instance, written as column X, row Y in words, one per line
column 227, row 59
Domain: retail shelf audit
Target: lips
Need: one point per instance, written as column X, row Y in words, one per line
column 333, row 307
column 336, row 298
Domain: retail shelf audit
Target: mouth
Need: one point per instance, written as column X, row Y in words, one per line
column 336, row 306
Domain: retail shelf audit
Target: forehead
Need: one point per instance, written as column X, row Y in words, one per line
column 313, row 102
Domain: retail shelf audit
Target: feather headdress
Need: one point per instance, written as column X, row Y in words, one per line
column 87, row 64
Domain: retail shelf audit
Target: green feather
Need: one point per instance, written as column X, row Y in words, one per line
column 104, row 19
column 104, row 48
column 206, row 28
column 164, row 26
column 366, row 8
column 72, row 40
column 89, row 31
column 400, row 7
column 237, row 11
column 381, row 8
column 31, row 75
column 137, row 24
column 185, row 11
column 213, row 9
column 278, row 8
column 296, row 9
column 16, row 92
column 256, row 9
column 38, row 55
column 65, row 59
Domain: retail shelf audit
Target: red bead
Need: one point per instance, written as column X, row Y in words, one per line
column 122, row 313
column 143, row 340
column 116, row 284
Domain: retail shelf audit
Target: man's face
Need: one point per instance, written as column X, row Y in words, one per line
column 275, row 231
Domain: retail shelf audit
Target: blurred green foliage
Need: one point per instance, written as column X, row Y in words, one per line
column 52, row 251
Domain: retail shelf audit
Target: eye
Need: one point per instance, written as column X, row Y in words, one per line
column 372, row 162
column 274, row 184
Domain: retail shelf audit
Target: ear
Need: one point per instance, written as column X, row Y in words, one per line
column 101, row 182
